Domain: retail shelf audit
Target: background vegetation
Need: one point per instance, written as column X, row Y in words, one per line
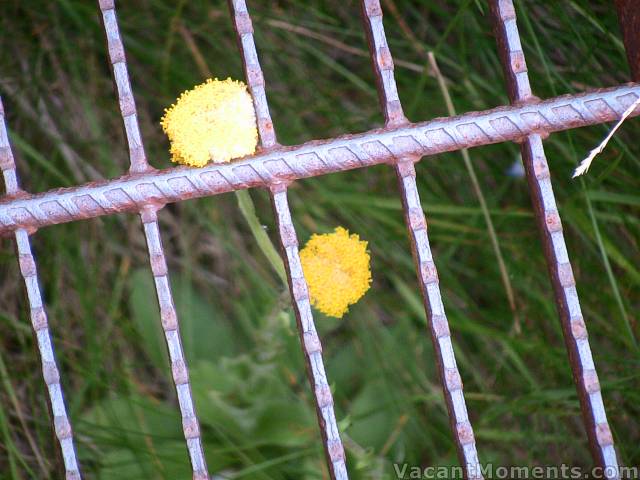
column 247, row 369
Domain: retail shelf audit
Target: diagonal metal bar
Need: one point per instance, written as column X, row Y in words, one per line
column 39, row 322
column 309, row 339
column 555, row 249
column 629, row 17
column 312, row 347
column 382, row 63
column 123, row 85
column 253, row 72
column 157, row 260
column 131, row 192
column 427, row 274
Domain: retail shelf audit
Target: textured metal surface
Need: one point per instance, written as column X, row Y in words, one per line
column 555, row 249
column 148, row 215
column 170, row 325
column 309, row 339
column 417, row 228
column 123, row 86
column 39, row 321
column 131, row 192
column 629, row 16
column 382, row 63
column 145, row 190
column 252, row 70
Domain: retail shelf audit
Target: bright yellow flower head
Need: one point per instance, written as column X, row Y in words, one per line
column 337, row 269
column 213, row 121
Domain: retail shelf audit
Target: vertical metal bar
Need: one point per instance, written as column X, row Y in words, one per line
column 169, row 318
column 157, row 260
column 312, row 347
column 253, row 72
column 39, row 322
column 629, row 17
column 382, row 63
column 555, row 249
column 309, row 339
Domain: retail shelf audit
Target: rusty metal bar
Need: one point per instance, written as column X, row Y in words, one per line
column 39, row 322
column 309, row 339
column 629, row 17
column 252, row 71
column 312, row 347
column 157, row 260
column 555, row 249
column 130, row 192
column 427, row 274
column 382, row 63
column 123, row 86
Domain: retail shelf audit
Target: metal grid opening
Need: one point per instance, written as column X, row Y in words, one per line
column 399, row 143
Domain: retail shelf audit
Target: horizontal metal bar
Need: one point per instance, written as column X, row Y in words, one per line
column 130, row 192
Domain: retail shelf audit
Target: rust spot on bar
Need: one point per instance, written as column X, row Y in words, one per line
column 591, row 383
column 300, row 291
column 552, row 219
column 179, row 372
column 578, row 329
column 452, row 379
column 116, row 52
column 336, row 451
column 39, row 319
column 158, row 264
column 27, row 265
column 429, row 272
column 603, row 432
column 107, row 4
column 62, row 427
column 6, row 159
column 518, row 64
column 312, row 342
column 440, row 326
column 373, row 8
column 323, row 394
column 465, row 433
column 243, row 23
column 169, row 319
column 565, row 275
column 190, row 427
column 50, row 372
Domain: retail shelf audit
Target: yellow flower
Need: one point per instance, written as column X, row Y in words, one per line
column 213, row 121
column 337, row 269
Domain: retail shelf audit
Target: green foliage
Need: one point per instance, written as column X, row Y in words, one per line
column 247, row 371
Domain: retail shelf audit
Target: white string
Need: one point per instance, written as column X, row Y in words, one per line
column 586, row 163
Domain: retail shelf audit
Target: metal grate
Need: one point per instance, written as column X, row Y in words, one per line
column 400, row 144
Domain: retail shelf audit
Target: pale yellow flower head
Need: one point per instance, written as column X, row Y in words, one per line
column 215, row 121
column 337, row 269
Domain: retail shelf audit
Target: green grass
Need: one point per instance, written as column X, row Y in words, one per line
column 239, row 335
